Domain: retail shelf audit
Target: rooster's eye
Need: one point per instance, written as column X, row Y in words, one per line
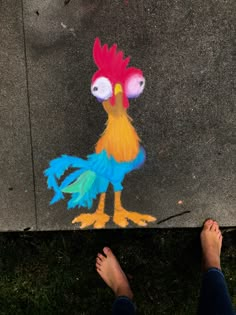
column 102, row 89
column 134, row 85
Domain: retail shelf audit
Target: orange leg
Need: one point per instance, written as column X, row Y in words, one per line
column 98, row 219
column 121, row 215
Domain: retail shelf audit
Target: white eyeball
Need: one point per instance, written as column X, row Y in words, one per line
column 134, row 85
column 102, row 89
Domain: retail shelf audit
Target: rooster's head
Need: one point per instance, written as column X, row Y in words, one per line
column 114, row 83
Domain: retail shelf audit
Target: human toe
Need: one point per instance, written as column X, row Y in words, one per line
column 101, row 257
column 107, row 251
column 208, row 224
column 99, row 270
column 215, row 227
column 98, row 266
column 98, row 261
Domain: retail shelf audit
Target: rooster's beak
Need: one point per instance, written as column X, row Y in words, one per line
column 115, row 105
column 118, row 89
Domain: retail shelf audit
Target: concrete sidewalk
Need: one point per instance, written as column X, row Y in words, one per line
column 186, row 117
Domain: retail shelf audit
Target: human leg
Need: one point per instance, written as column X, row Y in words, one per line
column 111, row 272
column 214, row 296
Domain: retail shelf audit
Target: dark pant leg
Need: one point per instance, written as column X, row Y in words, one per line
column 214, row 296
column 123, row 306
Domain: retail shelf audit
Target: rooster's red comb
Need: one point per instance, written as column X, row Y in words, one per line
column 110, row 60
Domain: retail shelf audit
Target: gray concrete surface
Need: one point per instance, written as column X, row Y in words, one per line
column 185, row 118
column 17, row 203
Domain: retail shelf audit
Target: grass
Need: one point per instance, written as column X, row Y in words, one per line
column 54, row 273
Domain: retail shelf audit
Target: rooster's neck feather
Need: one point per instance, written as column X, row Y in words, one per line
column 119, row 139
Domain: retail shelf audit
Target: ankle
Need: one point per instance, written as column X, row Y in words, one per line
column 124, row 291
column 209, row 265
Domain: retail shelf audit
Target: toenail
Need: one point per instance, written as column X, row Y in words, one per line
column 106, row 249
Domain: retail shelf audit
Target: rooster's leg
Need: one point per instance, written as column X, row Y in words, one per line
column 121, row 215
column 98, row 219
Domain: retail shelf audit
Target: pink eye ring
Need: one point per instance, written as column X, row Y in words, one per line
column 134, row 86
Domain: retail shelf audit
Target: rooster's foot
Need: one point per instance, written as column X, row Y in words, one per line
column 98, row 220
column 121, row 217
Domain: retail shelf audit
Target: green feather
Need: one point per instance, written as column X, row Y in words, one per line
column 82, row 184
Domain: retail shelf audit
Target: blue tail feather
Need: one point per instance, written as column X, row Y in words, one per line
column 83, row 184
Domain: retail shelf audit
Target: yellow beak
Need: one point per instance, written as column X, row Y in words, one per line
column 118, row 89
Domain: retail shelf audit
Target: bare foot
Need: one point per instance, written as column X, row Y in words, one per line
column 110, row 270
column 211, row 241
